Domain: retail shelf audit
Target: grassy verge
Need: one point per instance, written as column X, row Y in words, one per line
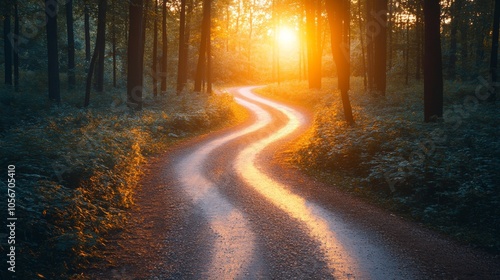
column 77, row 169
column 444, row 174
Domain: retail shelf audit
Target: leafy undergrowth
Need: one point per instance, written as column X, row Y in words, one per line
column 76, row 169
column 444, row 174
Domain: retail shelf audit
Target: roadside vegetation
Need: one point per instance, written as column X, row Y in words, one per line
column 77, row 169
column 442, row 174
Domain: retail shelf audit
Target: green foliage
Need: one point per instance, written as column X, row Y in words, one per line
column 444, row 174
column 77, row 170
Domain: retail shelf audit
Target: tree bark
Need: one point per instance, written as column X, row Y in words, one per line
column 362, row 43
column 313, row 58
column 494, row 51
column 135, row 55
column 16, row 51
column 87, row 32
column 203, row 69
column 113, row 42
column 101, row 44
column 379, row 17
column 155, row 51
column 453, row 41
column 433, row 74
column 418, row 23
column 71, row 44
column 182, row 63
column 164, row 60
column 52, row 51
column 339, row 20
column 370, row 31
column 7, row 46
column 96, row 54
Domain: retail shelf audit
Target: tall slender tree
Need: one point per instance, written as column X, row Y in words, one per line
column 135, row 55
column 113, row 41
column 16, row 50
column 52, row 51
column 339, row 20
column 313, row 41
column 71, row 44
column 379, row 18
column 101, row 25
column 87, row 32
column 433, row 74
column 155, row 50
column 494, row 51
column 7, row 45
column 101, row 44
column 164, row 41
column 203, row 70
column 452, row 58
column 182, row 63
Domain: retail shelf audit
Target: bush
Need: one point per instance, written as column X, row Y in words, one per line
column 77, row 171
column 444, row 174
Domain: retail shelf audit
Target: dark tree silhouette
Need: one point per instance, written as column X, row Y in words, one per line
column 182, row 63
column 101, row 26
column 494, row 51
column 164, row 41
column 135, row 55
column 52, row 51
column 339, row 20
column 379, row 18
column 155, row 51
column 101, row 44
column 313, row 55
column 71, row 44
column 203, row 69
column 7, row 45
column 15, row 46
column 433, row 74
column 87, row 32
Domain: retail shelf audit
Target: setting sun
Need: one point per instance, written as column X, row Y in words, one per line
column 287, row 36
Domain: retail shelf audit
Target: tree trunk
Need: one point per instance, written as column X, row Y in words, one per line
column 135, row 55
column 182, row 63
column 87, row 33
column 362, row 43
column 418, row 23
column 313, row 59
column 407, row 52
column 52, row 51
column 7, row 47
column 494, row 51
column 71, row 44
column 101, row 44
column 453, row 41
column 164, row 57
column 389, row 32
column 113, row 42
column 90, row 73
column 16, row 51
column 155, row 51
column 433, row 74
column 339, row 20
column 371, row 31
column 203, row 70
column 379, row 16
column 97, row 50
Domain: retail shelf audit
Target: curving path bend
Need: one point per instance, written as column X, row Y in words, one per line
column 346, row 252
column 220, row 207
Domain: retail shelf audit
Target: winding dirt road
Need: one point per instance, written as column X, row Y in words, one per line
column 220, row 207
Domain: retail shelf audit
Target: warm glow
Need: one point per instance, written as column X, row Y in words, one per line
column 287, row 36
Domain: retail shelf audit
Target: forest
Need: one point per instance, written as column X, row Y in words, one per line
column 402, row 95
